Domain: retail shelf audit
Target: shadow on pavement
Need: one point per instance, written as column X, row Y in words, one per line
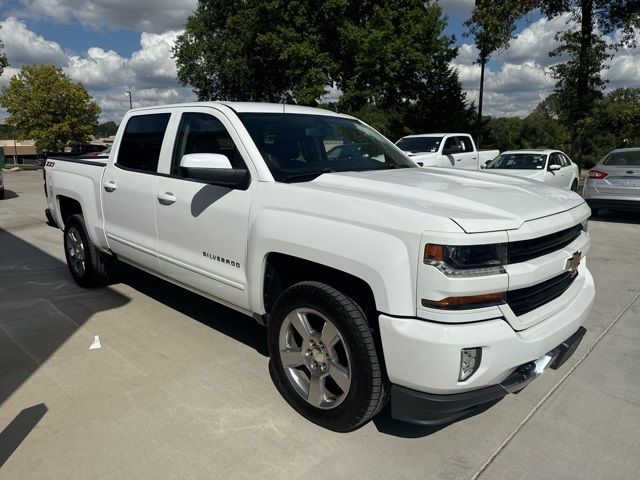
column 40, row 309
column 10, row 194
column 610, row 216
column 223, row 319
column 19, row 428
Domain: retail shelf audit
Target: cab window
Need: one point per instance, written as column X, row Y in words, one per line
column 203, row 133
column 142, row 141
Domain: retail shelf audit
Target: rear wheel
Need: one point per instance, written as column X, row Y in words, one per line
column 88, row 266
column 323, row 357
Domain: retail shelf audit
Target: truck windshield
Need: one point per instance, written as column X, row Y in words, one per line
column 299, row 147
column 518, row 161
column 419, row 144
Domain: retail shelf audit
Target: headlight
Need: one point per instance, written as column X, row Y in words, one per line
column 467, row 260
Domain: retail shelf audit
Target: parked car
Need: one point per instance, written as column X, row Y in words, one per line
column 456, row 150
column 552, row 167
column 614, row 182
column 2, row 164
column 435, row 289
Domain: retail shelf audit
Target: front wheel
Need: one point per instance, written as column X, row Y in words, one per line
column 88, row 266
column 323, row 357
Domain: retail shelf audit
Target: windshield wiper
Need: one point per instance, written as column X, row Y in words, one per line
column 316, row 173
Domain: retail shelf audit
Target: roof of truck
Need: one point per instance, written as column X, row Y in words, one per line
column 252, row 107
column 418, row 135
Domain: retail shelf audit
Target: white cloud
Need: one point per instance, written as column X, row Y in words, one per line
column 23, row 46
column 150, row 72
column 154, row 16
column 517, row 79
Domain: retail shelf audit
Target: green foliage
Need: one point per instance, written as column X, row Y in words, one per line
column 384, row 56
column 106, row 129
column 492, row 23
column 7, row 132
column 3, row 58
column 46, row 105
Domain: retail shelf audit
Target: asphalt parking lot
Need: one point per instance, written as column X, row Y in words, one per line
column 180, row 386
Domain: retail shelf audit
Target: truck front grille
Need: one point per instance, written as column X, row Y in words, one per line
column 524, row 250
column 524, row 300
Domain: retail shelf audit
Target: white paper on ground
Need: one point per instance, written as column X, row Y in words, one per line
column 96, row 343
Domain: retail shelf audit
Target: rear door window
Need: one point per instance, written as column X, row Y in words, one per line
column 142, row 141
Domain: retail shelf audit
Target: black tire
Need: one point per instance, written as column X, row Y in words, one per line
column 368, row 390
column 2, row 194
column 97, row 267
column 574, row 185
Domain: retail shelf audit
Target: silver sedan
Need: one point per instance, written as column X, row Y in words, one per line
column 614, row 182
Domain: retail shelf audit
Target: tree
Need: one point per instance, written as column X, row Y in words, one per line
column 383, row 56
column 106, row 129
column 580, row 78
column 3, row 57
column 46, row 105
column 492, row 25
column 254, row 51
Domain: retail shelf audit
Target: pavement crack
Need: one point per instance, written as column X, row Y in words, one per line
column 557, row 385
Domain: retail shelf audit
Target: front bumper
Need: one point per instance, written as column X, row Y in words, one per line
column 432, row 409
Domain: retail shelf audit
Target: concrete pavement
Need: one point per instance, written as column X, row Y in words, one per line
column 180, row 387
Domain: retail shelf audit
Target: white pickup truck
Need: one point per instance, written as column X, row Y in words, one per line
column 435, row 289
column 456, row 150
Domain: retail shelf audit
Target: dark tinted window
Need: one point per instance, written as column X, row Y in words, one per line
column 554, row 159
column 450, row 144
column 298, row 147
column 465, row 143
column 419, row 144
column 518, row 161
column 142, row 141
column 203, row 133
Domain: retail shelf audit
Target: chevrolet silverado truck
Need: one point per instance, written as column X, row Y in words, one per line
column 436, row 290
column 456, row 150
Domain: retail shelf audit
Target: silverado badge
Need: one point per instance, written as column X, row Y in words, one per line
column 574, row 261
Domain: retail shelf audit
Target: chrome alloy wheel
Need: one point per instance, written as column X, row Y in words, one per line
column 315, row 358
column 76, row 251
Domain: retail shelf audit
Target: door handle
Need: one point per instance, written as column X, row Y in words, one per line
column 166, row 198
column 109, row 186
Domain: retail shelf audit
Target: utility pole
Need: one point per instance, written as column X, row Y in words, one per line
column 483, row 61
column 128, row 92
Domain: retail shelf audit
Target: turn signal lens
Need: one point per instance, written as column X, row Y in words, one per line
column 466, row 303
column 469, row 362
column 597, row 174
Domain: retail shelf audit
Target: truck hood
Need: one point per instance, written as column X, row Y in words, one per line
column 476, row 201
column 533, row 174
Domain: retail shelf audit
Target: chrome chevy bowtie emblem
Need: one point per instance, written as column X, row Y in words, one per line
column 574, row 261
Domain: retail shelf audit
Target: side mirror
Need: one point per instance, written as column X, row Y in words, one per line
column 212, row 167
column 554, row 167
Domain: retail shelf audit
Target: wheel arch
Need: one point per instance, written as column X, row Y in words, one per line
column 281, row 271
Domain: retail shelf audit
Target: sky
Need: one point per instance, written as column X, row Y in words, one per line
column 114, row 46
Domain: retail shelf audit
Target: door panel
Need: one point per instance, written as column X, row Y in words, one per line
column 555, row 178
column 468, row 157
column 202, row 230
column 129, row 189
